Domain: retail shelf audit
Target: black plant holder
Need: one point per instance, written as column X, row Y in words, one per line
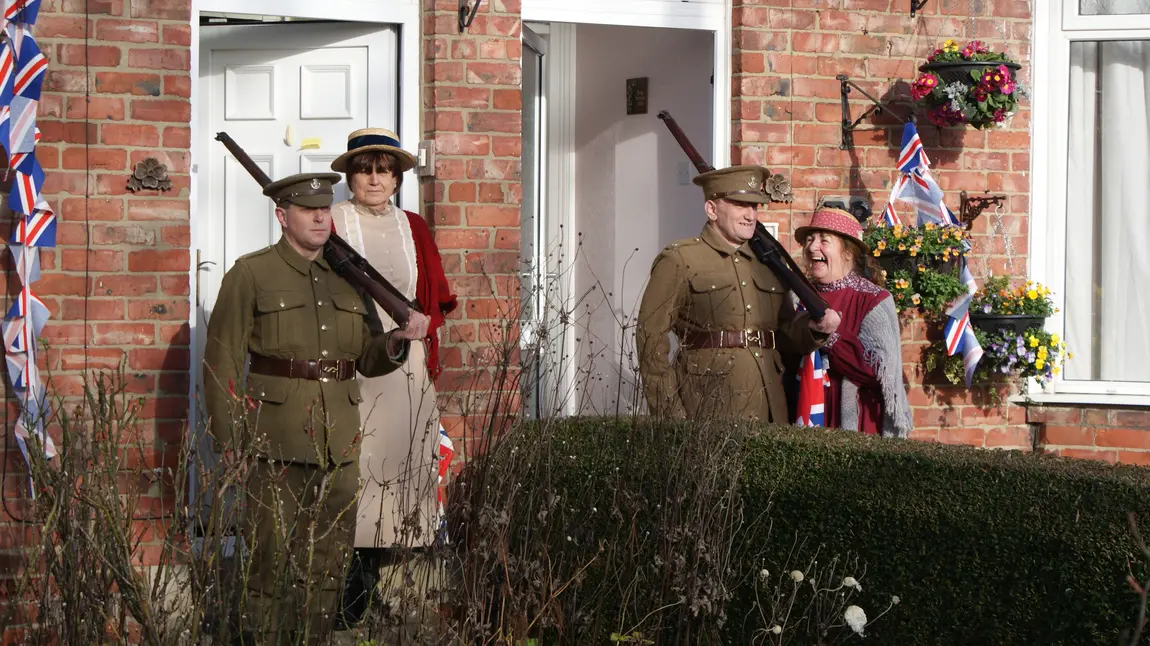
column 848, row 126
column 915, row 5
column 972, row 207
column 467, row 14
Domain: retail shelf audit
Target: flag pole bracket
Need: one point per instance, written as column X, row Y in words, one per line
column 973, row 206
column 848, row 126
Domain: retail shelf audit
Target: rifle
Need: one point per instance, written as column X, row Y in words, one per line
column 346, row 261
column 766, row 248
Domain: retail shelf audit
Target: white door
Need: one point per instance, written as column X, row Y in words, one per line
column 289, row 95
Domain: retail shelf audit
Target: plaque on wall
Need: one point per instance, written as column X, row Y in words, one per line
column 637, row 95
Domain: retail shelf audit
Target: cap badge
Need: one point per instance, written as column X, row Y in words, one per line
column 315, row 184
column 753, row 181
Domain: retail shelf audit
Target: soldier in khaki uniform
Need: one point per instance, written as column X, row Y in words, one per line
column 730, row 314
column 302, row 331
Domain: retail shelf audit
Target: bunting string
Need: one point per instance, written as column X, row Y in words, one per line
column 22, row 69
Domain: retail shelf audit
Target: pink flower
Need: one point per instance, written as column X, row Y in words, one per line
column 978, row 47
column 980, row 94
column 1007, row 87
column 999, row 115
column 923, row 86
column 967, row 52
column 1004, row 70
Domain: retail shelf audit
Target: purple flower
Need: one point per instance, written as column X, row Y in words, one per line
column 986, row 308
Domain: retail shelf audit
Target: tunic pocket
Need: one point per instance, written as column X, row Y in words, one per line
column 279, row 320
column 713, row 299
column 350, row 312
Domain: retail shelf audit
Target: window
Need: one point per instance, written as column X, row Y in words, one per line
column 1091, row 205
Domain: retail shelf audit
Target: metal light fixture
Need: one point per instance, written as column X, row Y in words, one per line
column 467, row 13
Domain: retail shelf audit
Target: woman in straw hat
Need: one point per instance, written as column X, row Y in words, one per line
column 400, row 416
column 863, row 358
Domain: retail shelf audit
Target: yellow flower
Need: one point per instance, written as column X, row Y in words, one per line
column 913, row 252
column 921, row 268
column 1032, row 294
column 1053, row 340
column 1038, row 363
column 1056, row 370
column 930, row 226
column 877, row 253
column 1034, row 342
column 902, row 247
column 915, row 299
column 950, row 46
column 1069, row 355
column 881, row 245
column 1042, row 352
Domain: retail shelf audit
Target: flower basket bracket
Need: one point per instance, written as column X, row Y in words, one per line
column 915, row 5
column 973, row 206
column 848, row 126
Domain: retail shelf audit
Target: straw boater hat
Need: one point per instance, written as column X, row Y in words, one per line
column 836, row 221
column 737, row 183
column 367, row 139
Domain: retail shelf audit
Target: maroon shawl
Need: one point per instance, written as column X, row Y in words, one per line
column 853, row 297
column 432, row 291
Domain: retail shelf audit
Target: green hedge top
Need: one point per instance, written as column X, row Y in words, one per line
column 981, row 546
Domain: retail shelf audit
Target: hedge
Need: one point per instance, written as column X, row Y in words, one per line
column 980, row 546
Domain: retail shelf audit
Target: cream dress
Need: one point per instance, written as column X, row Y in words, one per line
column 399, row 413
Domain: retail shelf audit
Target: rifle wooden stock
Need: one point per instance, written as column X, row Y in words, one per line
column 344, row 259
column 766, row 248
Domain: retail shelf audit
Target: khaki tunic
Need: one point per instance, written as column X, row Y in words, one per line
column 276, row 303
column 704, row 284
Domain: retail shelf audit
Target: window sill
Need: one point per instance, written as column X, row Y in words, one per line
column 1081, row 399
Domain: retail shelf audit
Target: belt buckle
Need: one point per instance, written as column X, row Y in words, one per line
column 329, row 369
column 755, row 336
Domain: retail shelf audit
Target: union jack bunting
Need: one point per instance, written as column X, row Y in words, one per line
column 22, row 71
column 446, row 452
column 813, row 382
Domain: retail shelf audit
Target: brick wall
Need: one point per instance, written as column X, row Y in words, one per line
column 117, row 282
column 472, row 111
column 787, row 115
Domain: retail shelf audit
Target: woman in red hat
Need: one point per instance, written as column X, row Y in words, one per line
column 863, row 358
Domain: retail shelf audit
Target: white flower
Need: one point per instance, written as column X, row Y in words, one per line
column 855, row 618
column 797, row 576
column 895, row 600
column 764, row 574
column 851, row 582
column 777, row 629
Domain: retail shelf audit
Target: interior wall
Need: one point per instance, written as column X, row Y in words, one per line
column 633, row 193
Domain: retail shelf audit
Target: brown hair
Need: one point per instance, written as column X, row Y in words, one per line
column 378, row 161
column 865, row 264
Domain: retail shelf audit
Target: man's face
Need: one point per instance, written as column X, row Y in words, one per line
column 306, row 228
column 735, row 221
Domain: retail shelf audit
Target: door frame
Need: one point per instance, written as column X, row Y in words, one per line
column 558, row 159
column 402, row 14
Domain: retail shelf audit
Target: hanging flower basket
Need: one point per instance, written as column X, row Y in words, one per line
column 893, row 261
column 968, row 85
column 1006, row 323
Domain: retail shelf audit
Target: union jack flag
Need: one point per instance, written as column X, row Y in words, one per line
column 38, row 230
column 25, row 11
column 446, row 452
column 813, row 382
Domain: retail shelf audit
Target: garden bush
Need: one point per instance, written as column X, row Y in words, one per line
column 590, row 528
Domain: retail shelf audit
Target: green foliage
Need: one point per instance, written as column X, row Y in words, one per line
column 918, row 279
column 998, row 296
column 981, row 547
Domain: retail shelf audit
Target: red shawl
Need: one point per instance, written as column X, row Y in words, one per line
column 432, row 291
column 853, row 297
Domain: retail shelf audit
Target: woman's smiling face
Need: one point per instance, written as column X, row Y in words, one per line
column 827, row 256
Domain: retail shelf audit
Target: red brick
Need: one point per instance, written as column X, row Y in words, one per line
column 1132, row 419
column 494, row 73
column 815, row 42
column 461, row 97
column 177, row 137
column 178, row 86
column 462, row 238
column 91, row 359
column 507, row 238
column 170, row 260
column 492, row 216
column 177, row 35
column 63, row 333
column 176, row 285
column 131, row 234
column 90, row 55
column 94, row 260
column 72, row 133
column 810, row 134
column 102, row 158
column 138, row 84
column 1008, row 437
column 124, row 285
column 162, row 309
column 162, row 9
column 132, row 31
column 1067, row 436
column 154, row 58
column 123, row 334
column 70, row 183
column 174, row 334
column 1123, row 438
column 160, row 209
column 81, row 209
column 130, row 135
column 159, row 359
column 452, row 144
column 97, row 108
column 495, row 122
column 507, row 146
column 507, row 100
column 65, row 81
column 175, row 111
column 967, row 436
column 1134, row 457
column 51, row 26
column 92, row 309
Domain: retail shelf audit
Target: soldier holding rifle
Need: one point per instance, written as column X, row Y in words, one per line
column 724, row 296
column 302, row 329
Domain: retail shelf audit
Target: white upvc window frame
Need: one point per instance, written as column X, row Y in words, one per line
column 1057, row 24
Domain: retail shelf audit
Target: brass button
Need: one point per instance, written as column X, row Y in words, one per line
column 324, row 327
column 355, row 307
column 748, row 308
column 282, row 304
column 315, row 278
column 263, row 394
column 758, row 354
column 712, row 286
column 744, row 283
column 323, row 353
column 736, row 260
column 323, row 379
column 320, row 303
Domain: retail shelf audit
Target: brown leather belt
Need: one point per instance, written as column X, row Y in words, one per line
column 314, row 369
column 711, row 339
